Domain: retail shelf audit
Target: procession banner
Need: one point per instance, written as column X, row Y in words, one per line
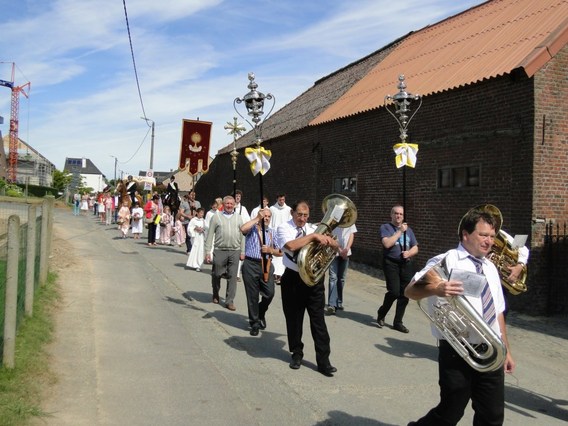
column 195, row 141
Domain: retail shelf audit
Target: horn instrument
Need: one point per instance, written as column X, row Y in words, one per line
column 503, row 256
column 314, row 259
column 457, row 320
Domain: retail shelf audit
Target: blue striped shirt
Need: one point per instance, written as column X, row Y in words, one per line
column 252, row 241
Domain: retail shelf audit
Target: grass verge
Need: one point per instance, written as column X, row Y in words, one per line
column 21, row 387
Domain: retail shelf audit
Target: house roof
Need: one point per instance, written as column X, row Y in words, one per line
column 74, row 165
column 486, row 41
column 25, row 148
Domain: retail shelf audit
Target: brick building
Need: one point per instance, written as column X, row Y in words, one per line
column 492, row 128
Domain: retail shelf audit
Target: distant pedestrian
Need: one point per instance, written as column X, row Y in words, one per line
column 152, row 211
column 166, row 225
column 124, row 219
column 196, row 228
column 137, row 220
column 338, row 268
column 179, row 229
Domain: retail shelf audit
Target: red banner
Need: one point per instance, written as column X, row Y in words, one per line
column 195, row 140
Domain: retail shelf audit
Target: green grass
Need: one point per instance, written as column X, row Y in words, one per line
column 21, row 387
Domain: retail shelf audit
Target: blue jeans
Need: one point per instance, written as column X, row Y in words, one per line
column 337, row 274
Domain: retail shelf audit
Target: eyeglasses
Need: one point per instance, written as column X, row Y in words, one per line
column 302, row 214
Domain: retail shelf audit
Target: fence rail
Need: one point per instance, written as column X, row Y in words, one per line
column 25, row 240
column 556, row 252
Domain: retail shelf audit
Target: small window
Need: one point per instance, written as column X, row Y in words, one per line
column 345, row 185
column 459, row 177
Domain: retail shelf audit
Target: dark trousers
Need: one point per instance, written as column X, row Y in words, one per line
column 256, row 287
column 152, row 233
column 458, row 384
column 297, row 297
column 397, row 276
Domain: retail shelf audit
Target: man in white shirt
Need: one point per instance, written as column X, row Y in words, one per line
column 297, row 297
column 459, row 382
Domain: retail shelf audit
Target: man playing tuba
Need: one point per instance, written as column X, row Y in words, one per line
column 459, row 381
column 297, row 297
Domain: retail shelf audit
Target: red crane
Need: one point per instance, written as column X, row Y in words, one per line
column 14, row 122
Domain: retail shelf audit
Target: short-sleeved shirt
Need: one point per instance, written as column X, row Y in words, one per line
column 288, row 231
column 252, row 241
column 458, row 259
column 395, row 252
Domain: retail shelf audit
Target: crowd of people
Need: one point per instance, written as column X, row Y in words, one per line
column 264, row 246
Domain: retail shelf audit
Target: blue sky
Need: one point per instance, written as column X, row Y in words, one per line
column 192, row 57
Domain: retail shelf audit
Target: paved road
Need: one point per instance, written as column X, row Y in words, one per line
column 140, row 343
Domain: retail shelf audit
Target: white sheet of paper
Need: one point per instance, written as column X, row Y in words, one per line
column 519, row 241
column 472, row 283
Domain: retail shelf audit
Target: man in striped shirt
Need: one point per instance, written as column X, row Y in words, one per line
column 257, row 270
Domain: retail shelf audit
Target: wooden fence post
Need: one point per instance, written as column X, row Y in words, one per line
column 11, row 302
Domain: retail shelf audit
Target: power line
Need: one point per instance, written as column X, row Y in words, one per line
column 133, row 60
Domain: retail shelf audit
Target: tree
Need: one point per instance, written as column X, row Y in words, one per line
column 61, row 180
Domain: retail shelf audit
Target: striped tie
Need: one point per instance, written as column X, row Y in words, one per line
column 300, row 232
column 486, row 297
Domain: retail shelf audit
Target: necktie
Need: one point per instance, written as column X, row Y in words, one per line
column 486, row 297
column 300, row 232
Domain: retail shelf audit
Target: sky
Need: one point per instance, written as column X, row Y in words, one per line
column 192, row 60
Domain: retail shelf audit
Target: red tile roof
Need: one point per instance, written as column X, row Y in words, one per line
column 485, row 41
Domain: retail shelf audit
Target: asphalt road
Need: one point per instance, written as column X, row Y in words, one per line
column 138, row 342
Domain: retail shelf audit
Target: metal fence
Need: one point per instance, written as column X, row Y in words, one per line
column 25, row 239
column 556, row 249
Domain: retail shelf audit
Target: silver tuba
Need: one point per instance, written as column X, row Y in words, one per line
column 457, row 320
column 314, row 259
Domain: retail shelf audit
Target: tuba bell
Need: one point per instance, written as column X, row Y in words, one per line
column 457, row 321
column 314, row 259
column 503, row 256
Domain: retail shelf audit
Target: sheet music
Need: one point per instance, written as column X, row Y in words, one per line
column 519, row 241
column 473, row 283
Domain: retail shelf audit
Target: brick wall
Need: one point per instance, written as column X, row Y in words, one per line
column 548, row 282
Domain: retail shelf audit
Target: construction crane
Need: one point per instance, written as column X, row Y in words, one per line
column 14, row 122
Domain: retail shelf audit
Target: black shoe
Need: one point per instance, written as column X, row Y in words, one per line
column 254, row 331
column 380, row 322
column 262, row 323
column 327, row 371
column 296, row 362
column 401, row 328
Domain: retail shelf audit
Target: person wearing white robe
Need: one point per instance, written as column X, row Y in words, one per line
column 281, row 213
column 196, row 229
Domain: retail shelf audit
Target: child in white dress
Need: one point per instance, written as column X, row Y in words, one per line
column 196, row 230
column 137, row 221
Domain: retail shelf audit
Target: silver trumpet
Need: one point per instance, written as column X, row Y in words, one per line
column 458, row 321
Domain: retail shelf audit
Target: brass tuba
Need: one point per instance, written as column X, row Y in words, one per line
column 457, row 321
column 314, row 259
column 503, row 255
